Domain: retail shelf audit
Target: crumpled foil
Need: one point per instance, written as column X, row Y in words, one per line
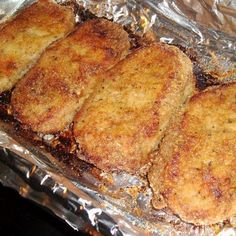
column 119, row 204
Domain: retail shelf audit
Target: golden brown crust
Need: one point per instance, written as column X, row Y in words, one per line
column 126, row 116
column 195, row 169
column 25, row 37
column 47, row 98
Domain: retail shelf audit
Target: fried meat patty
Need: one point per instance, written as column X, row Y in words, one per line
column 194, row 172
column 47, row 98
column 126, row 116
column 23, row 39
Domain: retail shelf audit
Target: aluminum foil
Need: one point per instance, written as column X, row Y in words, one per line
column 119, row 204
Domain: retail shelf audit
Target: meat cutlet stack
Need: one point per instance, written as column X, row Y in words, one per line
column 23, row 39
column 126, row 116
column 194, row 173
column 47, row 98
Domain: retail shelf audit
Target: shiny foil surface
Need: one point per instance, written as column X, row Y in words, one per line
column 119, row 204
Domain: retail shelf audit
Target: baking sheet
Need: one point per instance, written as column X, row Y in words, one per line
column 119, row 204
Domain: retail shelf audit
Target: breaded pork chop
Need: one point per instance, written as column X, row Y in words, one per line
column 47, row 98
column 127, row 114
column 23, row 39
column 195, row 169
